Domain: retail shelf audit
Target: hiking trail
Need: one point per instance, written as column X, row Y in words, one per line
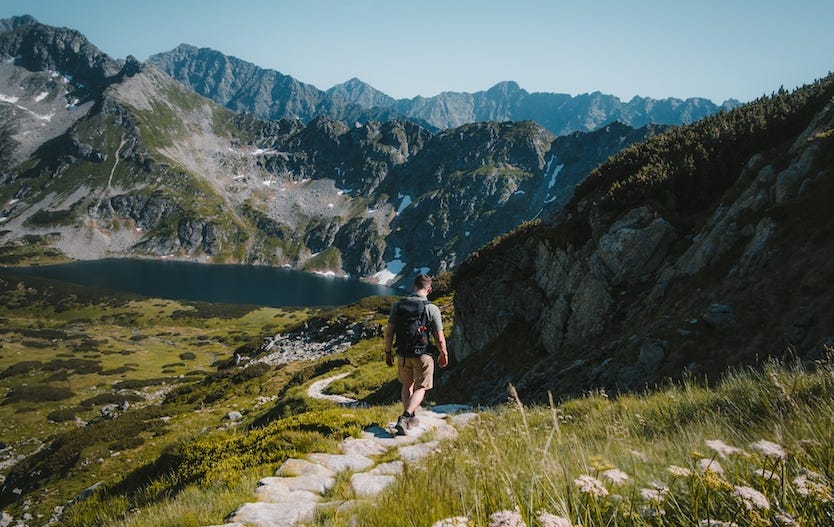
column 299, row 486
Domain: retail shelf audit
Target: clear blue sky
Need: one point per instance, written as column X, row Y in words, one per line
column 717, row 49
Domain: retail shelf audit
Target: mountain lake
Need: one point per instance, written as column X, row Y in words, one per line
column 231, row 284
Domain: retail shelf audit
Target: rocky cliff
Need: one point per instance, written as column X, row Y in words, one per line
column 700, row 249
column 268, row 94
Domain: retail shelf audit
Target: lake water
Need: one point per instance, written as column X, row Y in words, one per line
column 232, row 284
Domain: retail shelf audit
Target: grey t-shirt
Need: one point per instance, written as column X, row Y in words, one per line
column 432, row 314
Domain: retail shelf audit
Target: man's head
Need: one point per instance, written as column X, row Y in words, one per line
column 422, row 282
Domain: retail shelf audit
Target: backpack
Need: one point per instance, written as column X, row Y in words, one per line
column 412, row 327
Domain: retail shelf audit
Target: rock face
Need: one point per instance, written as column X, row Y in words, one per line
column 38, row 47
column 621, row 296
column 268, row 94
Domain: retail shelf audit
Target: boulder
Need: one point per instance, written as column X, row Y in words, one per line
column 719, row 316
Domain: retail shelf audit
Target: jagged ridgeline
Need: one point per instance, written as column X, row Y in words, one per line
column 268, row 94
column 118, row 159
column 700, row 248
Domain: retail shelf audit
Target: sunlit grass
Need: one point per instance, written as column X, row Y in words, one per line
column 637, row 460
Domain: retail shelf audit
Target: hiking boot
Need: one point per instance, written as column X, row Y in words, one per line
column 401, row 425
column 411, row 422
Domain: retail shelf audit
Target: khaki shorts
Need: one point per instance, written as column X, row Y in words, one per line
column 418, row 370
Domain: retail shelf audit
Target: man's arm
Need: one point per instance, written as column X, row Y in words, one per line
column 440, row 339
column 389, row 343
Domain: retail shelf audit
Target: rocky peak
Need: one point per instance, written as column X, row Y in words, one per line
column 504, row 89
column 12, row 23
column 38, row 47
column 357, row 92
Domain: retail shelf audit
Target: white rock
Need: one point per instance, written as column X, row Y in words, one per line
column 369, row 485
column 309, row 482
column 299, row 467
column 417, row 452
column 464, row 419
column 391, row 468
column 341, row 462
column 273, row 514
column 278, row 492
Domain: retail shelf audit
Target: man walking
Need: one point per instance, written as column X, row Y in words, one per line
column 412, row 320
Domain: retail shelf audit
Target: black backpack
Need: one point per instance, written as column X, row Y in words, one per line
column 412, row 327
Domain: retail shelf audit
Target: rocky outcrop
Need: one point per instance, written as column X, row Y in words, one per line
column 618, row 300
column 38, row 47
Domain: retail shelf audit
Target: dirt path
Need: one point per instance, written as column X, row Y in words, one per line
column 316, row 390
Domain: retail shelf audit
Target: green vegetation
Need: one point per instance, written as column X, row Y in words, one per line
column 678, row 173
column 687, row 167
column 29, row 250
column 162, row 372
column 638, row 460
column 328, row 260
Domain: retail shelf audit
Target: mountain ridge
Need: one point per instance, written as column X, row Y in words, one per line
column 679, row 255
column 505, row 100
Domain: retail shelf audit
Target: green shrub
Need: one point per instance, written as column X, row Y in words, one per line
column 37, row 394
column 61, row 416
column 21, row 368
column 252, row 372
column 127, row 443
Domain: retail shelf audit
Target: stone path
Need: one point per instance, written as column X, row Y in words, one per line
column 299, row 485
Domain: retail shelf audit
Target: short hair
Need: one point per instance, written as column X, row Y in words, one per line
column 422, row 281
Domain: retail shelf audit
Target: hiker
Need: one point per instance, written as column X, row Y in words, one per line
column 412, row 320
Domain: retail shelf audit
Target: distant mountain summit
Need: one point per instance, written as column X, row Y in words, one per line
column 362, row 94
column 268, row 94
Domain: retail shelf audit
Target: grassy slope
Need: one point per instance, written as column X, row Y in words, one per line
column 528, row 459
column 192, row 469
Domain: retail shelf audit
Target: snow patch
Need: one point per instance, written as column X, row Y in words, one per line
column 41, row 96
column 13, row 201
column 9, row 98
column 72, row 103
column 521, row 192
column 330, row 205
column 406, row 201
column 422, row 270
column 466, row 233
column 4, row 219
column 554, row 174
column 330, row 274
column 392, row 269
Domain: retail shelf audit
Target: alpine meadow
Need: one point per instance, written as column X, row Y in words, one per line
column 636, row 298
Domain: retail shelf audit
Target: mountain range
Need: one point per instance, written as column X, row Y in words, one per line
column 116, row 158
column 268, row 94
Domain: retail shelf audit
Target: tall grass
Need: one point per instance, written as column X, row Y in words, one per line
column 755, row 450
